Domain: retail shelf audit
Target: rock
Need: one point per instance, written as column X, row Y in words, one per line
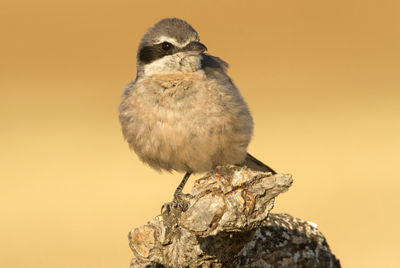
column 227, row 224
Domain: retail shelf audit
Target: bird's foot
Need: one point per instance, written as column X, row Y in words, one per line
column 181, row 201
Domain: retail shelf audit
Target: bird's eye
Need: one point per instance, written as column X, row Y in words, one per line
column 166, row 45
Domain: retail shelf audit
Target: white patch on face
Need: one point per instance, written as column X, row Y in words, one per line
column 171, row 40
column 182, row 62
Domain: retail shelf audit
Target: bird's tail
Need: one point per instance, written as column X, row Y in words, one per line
column 253, row 163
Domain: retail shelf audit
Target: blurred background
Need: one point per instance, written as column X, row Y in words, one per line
column 322, row 79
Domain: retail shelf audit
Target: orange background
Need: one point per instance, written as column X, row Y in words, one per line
column 322, row 79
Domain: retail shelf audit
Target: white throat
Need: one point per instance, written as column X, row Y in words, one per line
column 182, row 62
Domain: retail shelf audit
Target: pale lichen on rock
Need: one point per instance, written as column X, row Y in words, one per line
column 227, row 224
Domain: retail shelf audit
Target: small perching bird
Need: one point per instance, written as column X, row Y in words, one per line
column 183, row 112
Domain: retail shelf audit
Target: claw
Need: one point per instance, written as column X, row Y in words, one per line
column 180, row 201
column 165, row 208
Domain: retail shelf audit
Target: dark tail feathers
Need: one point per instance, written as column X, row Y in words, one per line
column 253, row 163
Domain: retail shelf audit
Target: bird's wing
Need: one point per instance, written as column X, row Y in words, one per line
column 215, row 68
column 253, row 163
column 129, row 87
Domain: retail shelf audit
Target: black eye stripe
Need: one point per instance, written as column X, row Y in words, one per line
column 148, row 54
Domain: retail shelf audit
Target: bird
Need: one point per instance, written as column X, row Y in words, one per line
column 183, row 112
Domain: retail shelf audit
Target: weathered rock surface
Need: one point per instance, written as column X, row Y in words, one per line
column 227, row 224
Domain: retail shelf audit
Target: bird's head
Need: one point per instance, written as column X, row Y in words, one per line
column 170, row 46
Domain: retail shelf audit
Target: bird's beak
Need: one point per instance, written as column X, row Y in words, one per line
column 195, row 47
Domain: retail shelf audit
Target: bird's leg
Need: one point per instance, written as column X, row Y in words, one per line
column 179, row 196
column 181, row 185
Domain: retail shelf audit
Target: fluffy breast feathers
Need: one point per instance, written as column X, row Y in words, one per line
column 185, row 121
